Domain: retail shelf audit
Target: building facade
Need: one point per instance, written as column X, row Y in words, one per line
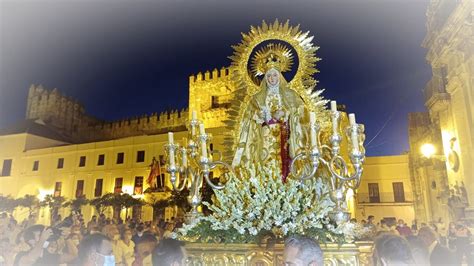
column 385, row 190
column 444, row 184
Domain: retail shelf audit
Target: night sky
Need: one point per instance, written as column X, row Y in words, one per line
column 127, row 58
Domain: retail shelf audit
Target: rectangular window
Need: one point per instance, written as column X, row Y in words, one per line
column 80, row 188
column 374, row 195
column 120, row 158
column 398, row 192
column 7, row 167
column 138, row 188
column 60, row 163
column 98, row 187
column 140, row 156
column 118, row 185
column 82, row 161
column 101, row 159
column 36, row 165
column 57, row 189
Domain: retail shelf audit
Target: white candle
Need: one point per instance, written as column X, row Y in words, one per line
column 184, row 157
column 312, row 124
column 171, row 153
column 333, row 106
column 354, row 135
column 193, row 126
column 352, row 119
column 203, row 143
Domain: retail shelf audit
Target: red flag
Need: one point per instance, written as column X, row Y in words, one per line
column 155, row 170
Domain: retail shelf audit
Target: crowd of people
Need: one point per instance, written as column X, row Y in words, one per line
column 102, row 241
column 424, row 244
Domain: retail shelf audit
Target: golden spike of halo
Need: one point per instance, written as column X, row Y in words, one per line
column 276, row 56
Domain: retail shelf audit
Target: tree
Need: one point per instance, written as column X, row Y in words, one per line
column 180, row 199
column 7, row 204
column 119, row 201
column 76, row 204
column 99, row 204
column 158, row 205
column 28, row 201
column 54, row 204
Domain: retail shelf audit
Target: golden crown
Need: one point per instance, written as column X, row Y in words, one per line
column 273, row 55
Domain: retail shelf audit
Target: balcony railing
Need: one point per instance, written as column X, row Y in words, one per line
column 384, row 197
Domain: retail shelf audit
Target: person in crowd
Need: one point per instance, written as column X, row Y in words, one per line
column 452, row 236
column 403, row 229
column 418, row 250
column 383, row 226
column 463, row 248
column 112, row 232
column 96, row 249
column 39, row 238
column 439, row 254
column 126, row 247
column 170, row 252
column 139, row 232
column 414, row 226
column 143, row 250
column 301, row 251
column 391, row 249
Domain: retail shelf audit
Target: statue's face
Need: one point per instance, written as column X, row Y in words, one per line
column 272, row 77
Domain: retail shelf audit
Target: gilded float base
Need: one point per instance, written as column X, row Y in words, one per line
column 359, row 253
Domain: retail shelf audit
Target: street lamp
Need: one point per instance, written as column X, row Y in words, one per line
column 428, row 150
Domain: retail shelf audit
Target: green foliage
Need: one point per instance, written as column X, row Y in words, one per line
column 203, row 233
column 7, row 204
column 27, row 201
column 258, row 204
column 76, row 204
column 53, row 202
column 180, row 199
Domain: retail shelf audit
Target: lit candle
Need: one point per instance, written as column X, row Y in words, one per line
column 193, row 126
column 184, row 158
column 171, row 150
column 333, row 106
column 334, row 119
column 354, row 135
column 203, row 142
column 352, row 119
column 312, row 124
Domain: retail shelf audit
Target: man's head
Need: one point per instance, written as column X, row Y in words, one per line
column 272, row 77
column 301, row 250
column 145, row 245
column 31, row 235
column 169, row 252
column 401, row 222
column 392, row 250
column 427, row 235
column 370, row 219
column 96, row 249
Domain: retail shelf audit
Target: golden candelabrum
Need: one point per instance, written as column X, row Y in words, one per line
column 191, row 173
column 329, row 156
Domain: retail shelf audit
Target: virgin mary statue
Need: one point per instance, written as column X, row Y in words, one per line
column 271, row 129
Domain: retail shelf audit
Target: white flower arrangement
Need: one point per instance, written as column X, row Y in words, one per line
column 257, row 200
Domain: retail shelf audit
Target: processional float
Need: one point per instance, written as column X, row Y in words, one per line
column 284, row 152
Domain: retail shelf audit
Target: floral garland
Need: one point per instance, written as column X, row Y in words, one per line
column 258, row 204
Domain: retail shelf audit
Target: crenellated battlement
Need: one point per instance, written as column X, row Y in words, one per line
column 209, row 96
column 210, row 76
